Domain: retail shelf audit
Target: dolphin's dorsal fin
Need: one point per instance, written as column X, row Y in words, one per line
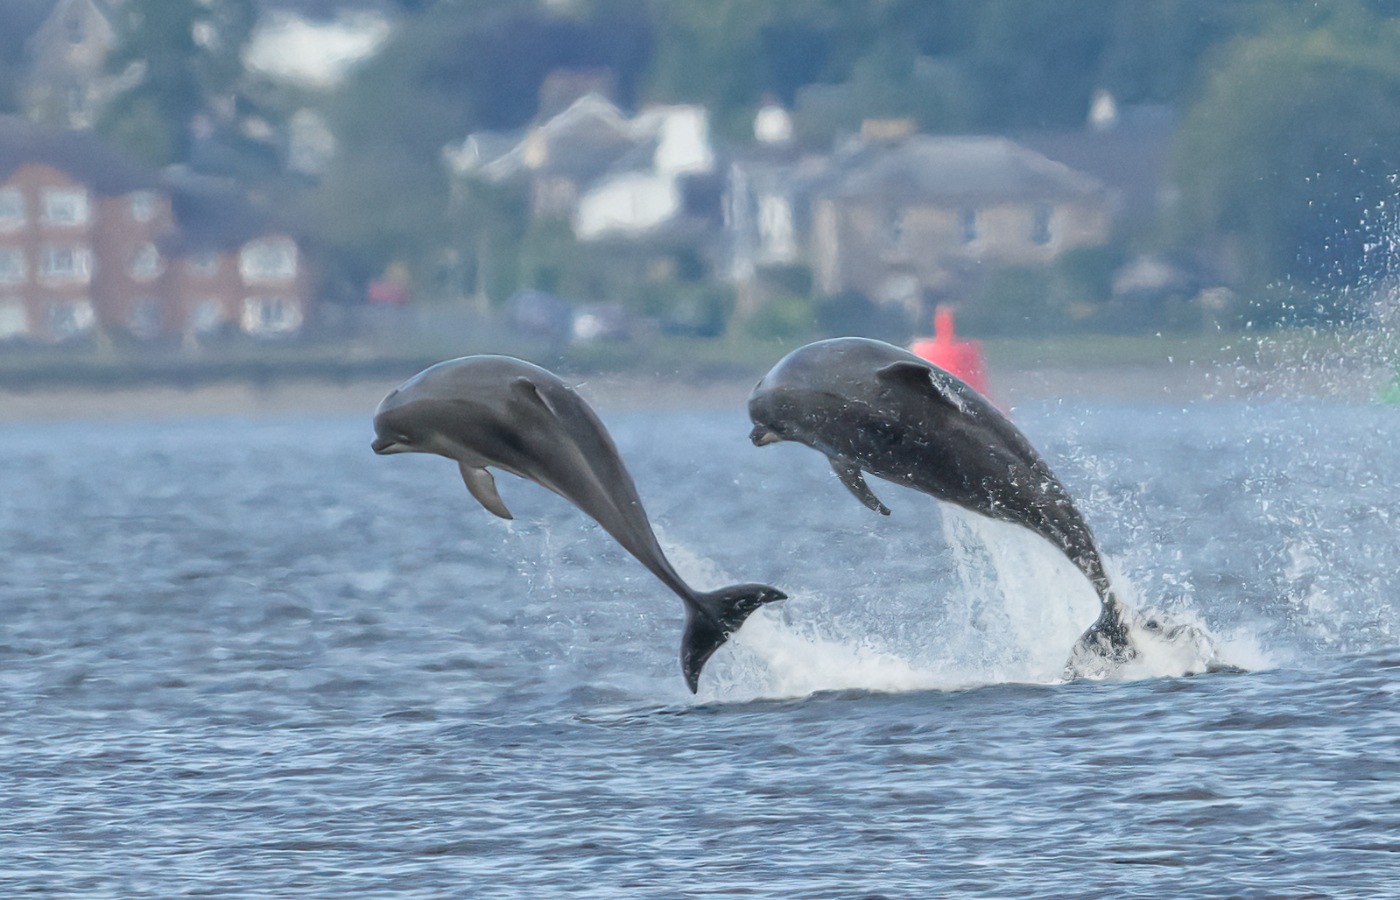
column 851, row 477
column 923, row 378
column 526, row 389
column 483, row 487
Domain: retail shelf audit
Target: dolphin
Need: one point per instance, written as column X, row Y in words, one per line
column 873, row 407
column 497, row 411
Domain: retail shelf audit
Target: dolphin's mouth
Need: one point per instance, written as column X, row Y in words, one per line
column 383, row 445
column 762, row 436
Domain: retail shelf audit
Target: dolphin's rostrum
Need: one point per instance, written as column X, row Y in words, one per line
column 501, row 412
column 873, row 407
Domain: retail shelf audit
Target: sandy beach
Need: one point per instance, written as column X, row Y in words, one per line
column 1176, row 381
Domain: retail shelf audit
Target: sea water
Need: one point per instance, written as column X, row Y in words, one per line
column 249, row 658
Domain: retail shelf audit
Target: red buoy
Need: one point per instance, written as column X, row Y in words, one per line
column 961, row 358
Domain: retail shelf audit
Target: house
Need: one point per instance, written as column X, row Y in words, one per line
column 234, row 268
column 610, row 176
column 68, row 81
column 1128, row 148
column 556, row 159
column 908, row 219
column 90, row 240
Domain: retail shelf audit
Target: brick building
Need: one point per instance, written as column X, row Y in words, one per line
column 90, row 240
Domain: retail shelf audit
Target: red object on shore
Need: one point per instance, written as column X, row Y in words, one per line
column 961, row 358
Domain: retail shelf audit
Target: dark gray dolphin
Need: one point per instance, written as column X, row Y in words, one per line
column 498, row 411
column 873, row 407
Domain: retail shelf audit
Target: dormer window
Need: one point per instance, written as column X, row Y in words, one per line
column 65, row 206
column 11, row 209
column 271, row 259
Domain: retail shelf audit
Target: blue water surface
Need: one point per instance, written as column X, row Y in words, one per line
column 248, row 658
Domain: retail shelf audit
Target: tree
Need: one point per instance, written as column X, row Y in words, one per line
column 459, row 67
column 1292, row 152
column 186, row 57
column 19, row 19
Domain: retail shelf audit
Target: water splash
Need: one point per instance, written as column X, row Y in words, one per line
column 1008, row 610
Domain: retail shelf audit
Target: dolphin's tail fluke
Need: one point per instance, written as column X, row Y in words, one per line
column 710, row 618
column 1105, row 646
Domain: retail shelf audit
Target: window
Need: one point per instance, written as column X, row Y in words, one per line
column 14, row 321
column 967, row 222
column 895, row 222
column 70, row 318
column 65, row 206
column 208, row 316
column 70, row 264
column 145, row 263
column 1040, row 224
column 775, row 227
column 144, row 320
column 271, row 315
column 11, row 209
column 142, row 205
column 13, row 269
column 74, row 28
column 273, row 259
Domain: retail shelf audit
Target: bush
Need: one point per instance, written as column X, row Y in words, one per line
column 697, row 309
column 852, row 313
column 782, row 318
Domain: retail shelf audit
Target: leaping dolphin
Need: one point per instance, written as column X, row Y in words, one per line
column 499, row 411
column 870, row 406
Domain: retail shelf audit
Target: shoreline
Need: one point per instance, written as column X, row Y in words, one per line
column 1010, row 386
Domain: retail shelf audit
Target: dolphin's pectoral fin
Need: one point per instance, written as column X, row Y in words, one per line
column 527, row 390
column 851, row 477
column 483, row 487
column 924, row 379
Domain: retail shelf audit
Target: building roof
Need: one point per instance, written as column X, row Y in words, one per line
column 81, row 154
column 213, row 214
column 210, row 213
column 959, row 169
column 581, row 142
column 1131, row 157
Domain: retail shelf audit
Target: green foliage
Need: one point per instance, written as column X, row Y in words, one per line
column 1291, row 153
column 549, row 258
column 853, row 314
column 18, row 20
column 795, row 280
column 1288, row 150
column 949, row 64
column 1074, row 293
column 1011, row 301
column 782, row 318
column 691, row 308
column 952, row 65
column 189, row 59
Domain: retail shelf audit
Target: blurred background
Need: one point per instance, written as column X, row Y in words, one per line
column 195, row 189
